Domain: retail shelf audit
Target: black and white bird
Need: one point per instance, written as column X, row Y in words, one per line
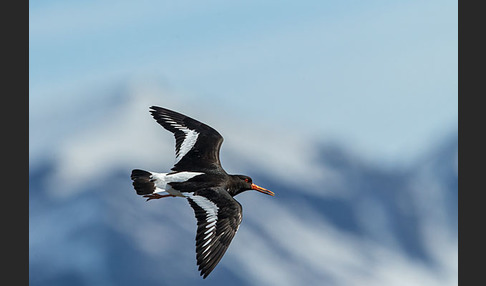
column 198, row 176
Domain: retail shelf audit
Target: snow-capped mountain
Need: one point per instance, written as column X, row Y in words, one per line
column 336, row 219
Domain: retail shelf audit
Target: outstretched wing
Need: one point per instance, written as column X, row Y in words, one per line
column 218, row 217
column 197, row 144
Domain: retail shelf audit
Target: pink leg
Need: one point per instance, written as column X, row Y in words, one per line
column 156, row 196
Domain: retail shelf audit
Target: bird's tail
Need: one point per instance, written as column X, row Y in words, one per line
column 143, row 182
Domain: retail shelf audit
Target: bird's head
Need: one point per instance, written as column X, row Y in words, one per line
column 244, row 183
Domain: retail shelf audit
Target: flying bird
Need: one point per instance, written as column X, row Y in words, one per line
column 198, row 176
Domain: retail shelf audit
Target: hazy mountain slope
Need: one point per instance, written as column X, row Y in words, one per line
column 335, row 218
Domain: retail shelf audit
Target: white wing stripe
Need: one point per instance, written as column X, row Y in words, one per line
column 208, row 236
column 189, row 142
column 206, row 243
column 211, row 210
column 208, row 206
column 190, row 137
column 211, row 224
column 209, row 230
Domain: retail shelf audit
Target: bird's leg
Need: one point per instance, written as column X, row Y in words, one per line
column 156, row 196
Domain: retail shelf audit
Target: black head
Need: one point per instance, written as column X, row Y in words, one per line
column 241, row 183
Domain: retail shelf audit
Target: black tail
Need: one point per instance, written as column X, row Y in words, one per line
column 142, row 182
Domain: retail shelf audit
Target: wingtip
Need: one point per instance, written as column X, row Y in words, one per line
column 154, row 110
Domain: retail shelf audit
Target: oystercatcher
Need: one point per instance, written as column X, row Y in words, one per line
column 198, row 176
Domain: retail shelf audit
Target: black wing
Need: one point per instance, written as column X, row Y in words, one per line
column 218, row 217
column 197, row 144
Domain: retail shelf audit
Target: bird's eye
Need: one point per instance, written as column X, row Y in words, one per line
column 246, row 180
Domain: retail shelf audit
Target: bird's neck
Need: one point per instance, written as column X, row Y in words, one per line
column 235, row 186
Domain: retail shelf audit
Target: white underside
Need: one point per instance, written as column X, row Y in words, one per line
column 162, row 181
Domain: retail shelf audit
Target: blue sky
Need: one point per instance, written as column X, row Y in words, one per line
column 377, row 76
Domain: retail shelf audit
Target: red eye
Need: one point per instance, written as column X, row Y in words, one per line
column 246, row 180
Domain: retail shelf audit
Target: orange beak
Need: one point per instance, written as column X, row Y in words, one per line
column 262, row 190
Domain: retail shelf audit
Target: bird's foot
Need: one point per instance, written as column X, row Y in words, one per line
column 156, row 196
